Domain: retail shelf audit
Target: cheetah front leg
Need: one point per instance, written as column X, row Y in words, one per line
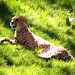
column 8, row 40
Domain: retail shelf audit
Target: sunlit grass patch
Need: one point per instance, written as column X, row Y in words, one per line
column 47, row 19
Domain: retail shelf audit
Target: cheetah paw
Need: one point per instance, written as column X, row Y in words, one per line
column 2, row 39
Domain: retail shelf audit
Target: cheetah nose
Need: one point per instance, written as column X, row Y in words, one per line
column 12, row 23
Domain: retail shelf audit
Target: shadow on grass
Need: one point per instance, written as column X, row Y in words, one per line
column 5, row 14
column 72, row 46
column 61, row 3
column 66, row 70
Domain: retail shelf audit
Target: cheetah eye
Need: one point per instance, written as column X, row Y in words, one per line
column 16, row 20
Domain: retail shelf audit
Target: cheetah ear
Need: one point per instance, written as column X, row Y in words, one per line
column 26, row 20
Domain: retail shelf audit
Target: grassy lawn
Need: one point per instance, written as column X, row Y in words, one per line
column 47, row 19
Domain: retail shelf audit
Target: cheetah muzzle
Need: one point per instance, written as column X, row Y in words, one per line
column 30, row 41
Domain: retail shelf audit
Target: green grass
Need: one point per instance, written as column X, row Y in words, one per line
column 48, row 20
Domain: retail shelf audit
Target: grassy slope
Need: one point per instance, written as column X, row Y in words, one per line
column 47, row 20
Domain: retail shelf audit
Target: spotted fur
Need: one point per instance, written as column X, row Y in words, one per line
column 29, row 40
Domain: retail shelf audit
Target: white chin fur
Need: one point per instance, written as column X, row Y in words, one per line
column 12, row 26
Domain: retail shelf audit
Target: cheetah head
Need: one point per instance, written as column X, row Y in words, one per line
column 18, row 22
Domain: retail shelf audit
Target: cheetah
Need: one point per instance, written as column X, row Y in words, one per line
column 31, row 41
